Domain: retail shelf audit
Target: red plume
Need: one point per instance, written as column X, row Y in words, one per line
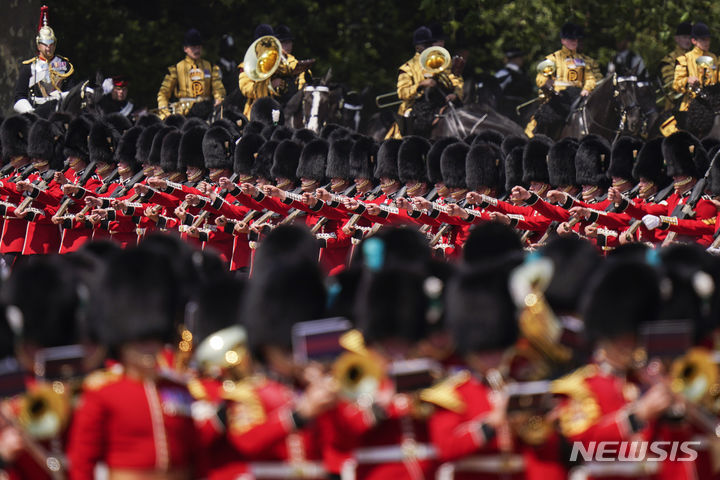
column 43, row 17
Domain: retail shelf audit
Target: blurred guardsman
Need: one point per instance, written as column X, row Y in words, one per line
column 41, row 78
column 191, row 80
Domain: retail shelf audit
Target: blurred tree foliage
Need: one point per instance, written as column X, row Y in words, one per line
column 364, row 41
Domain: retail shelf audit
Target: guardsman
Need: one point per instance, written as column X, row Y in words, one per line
column 131, row 417
column 600, row 402
column 572, row 69
column 191, row 80
column 413, row 80
column 668, row 62
column 42, row 78
column 691, row 76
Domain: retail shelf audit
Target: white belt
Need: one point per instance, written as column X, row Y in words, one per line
column 614, row 469
column 395, row 453
column 325, row 236
column 287, row 470
column 508, row 463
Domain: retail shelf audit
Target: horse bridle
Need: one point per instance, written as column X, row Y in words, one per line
column 623, row 111
column 312, row 122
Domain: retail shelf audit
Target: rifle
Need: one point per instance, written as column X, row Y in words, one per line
column 67, row 200
column 205, row 213
column 688, row 209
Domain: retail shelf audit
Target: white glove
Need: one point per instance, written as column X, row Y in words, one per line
column 23, row 106
column 713, row 251
column 651, row 221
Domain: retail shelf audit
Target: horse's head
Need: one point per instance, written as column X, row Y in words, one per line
column 320, row 103
column 626, row 93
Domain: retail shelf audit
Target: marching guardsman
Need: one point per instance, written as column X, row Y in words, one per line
column 14, row 137
column 191, row 80
column 687, row 162
column 691, row 76
column 45, row 148
column 43, row 77
column 38, row 328
column 273, row 414
column 600, row 402
column 289, row 72
column 413, row 80
column 683, row 45
column 131, row 417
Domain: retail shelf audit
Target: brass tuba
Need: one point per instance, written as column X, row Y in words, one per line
column 263, row 58
column 45, row 410
column 696, row 377
column 436, row 63
column 357, row 372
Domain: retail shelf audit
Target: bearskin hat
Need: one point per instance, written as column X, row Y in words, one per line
column 190, row 152
column 561, row 162
column 591, row 161
column 650, row 164
column 286, row 160
column 484, row 167
column 148, row 120
column 156, row 148
column 231, row 127
column 169, row 151
column 76, row 144
column 267, row 111
column 514, row 168
column 262, row 168
column 363, row 158
column 218, row 147
column 281, row 133
column 175, row 120
column 338, row 162
column 623, row 156
column 434, row 170
column 304, row 136
column 193, row 122
column 489, row 136
column 245, row 151
column 45, row 143
column 685, row 155
column 412, row 159
column 535, row 168
column 453, row 165
column 118, row 121
column 512, row 141
column 127, row 147
column 144, row 143
column 387, row 159
column 493, row 242
column 624, row 295
column 313, row 160
column 102, row 142
column 253, row 127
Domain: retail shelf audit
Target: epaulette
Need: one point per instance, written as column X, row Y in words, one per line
column 31, row 60
column 100, row 378
column 445, row 395
column 247, row 409
column 582, row 410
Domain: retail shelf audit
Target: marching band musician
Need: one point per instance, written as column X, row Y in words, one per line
column 412, row 80
column 278, row 84
column 42, row 78
column 688, row 74
column 683, row 44
column 191, row 80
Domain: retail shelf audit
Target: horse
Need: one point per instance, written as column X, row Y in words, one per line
column 613, row 108
column 315, row 105
column 703, row 114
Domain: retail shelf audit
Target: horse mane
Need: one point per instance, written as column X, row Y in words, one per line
column 552, row 115
column 702, row 111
